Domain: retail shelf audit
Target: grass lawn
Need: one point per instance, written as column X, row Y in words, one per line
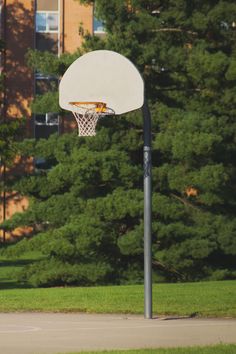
column 206, row 299
column 216, row 349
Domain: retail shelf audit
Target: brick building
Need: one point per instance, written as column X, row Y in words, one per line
column 45, row 25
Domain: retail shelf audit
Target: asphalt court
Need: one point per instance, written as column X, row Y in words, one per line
column 47, row 333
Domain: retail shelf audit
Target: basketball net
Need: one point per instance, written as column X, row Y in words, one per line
column 87, row 115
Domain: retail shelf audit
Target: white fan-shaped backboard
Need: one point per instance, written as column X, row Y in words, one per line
column 102, row 76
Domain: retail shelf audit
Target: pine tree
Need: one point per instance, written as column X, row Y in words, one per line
column 186, row 52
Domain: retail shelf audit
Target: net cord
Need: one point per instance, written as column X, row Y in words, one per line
column 88, row 115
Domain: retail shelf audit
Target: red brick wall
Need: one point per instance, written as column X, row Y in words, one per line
column 19, row 35
column 74, row 15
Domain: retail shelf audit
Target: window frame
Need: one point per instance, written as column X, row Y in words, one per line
column 95, row 31
column 95, row 19
column 47, row 116
column 47, row 30
column 43, row 77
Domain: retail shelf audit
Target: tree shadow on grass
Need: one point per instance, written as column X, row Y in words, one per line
column 8, row 285
column 8, row 273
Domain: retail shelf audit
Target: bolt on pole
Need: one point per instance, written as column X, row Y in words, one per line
column 147, row 162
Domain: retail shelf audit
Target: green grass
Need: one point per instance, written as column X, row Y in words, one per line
column 205, row 299
column 216, row 349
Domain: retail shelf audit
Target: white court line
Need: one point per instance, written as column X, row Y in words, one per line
column 203, row 324
column 22, row 329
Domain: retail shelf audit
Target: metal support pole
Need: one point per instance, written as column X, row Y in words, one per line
column 147, row 212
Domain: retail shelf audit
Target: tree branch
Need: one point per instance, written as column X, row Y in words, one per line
column 170, row 29
column 185, row 202
column 171, row 270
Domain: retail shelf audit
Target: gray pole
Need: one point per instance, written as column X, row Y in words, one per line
column 147, row 212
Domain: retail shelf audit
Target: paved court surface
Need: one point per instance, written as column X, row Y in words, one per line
column 36, row 333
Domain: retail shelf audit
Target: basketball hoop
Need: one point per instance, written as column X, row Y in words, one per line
column 107, row 76
column 87, row 115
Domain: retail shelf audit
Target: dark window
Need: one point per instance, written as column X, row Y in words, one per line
column 45, row 84
column 44, row 131
column 47, row 42
column 45, row 125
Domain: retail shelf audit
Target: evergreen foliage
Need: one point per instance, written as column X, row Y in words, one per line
column 87, row 210
column 9, row 134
